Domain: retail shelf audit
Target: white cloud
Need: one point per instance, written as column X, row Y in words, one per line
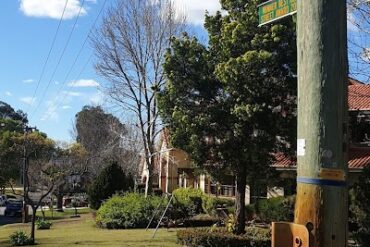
column 96, row 99
column 72, row 93
column 28, row 81
column 28, row 100
column 51, row 8
column 65, row 107
column 7, row 93
column 51, row 111
column 195, row 9
column 83, row 83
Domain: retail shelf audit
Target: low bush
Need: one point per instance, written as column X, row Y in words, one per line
column 275, row 209
column 42, row 224
column 201, row 220
column 220, row 237
column 19, row 238
column 187, row 202
column 129, row 211
column 359, row 210
column 210, row 205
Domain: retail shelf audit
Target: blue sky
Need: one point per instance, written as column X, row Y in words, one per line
column 27, row 29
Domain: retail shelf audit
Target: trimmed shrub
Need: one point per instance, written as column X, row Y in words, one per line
column 187, row 202
column 210, row 205
column 42, row 224
column 111, row 180
column 220, row 237
column 129, row 211
column 201, row 220
column 19, row 238
column 276, row 209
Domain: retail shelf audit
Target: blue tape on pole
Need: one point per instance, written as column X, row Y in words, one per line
column 317, row 181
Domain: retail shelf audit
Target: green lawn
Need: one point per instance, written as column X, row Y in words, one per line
column 82, row 232
column 63, row 215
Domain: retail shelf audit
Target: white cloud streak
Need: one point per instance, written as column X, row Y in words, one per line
column 83, row 83
column 7, row 93
column 51, row 111
column 72, row 93
column 28, row 80
column 51, row 8
column 28, row 100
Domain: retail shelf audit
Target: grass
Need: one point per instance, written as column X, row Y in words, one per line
column 63, row 215
column 82, row 232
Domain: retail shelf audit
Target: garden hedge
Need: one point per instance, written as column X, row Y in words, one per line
column 205, row 237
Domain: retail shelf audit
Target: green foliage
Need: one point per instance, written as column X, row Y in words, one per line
column 111, row 180
column 276, row 209
column 187, row 202
column 8, row 112
column 130, row 211
column 220, row 237
column 19, row 238
column 272, row 210
column 42, row 224
column 359, row 214
column 96, row 129
column 226, row 102
column 210, row 204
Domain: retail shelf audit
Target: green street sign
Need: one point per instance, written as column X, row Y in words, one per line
column 276, row 9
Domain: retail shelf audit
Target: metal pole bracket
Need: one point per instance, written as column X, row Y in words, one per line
column 286, row 234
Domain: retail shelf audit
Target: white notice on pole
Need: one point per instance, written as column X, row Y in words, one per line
column 301, row 147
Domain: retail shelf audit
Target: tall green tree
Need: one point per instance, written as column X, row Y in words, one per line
column 231, row 104
column 11, row 124
column 100, row 133
column 112, row 179
column 8, row 112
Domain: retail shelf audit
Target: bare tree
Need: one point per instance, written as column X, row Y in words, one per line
column 130, row 47
column 359, row 38
column 132, row 146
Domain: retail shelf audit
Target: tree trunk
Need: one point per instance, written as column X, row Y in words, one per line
column 32, row 238
column 60, row 202
column 241, row 182
column 149, row 181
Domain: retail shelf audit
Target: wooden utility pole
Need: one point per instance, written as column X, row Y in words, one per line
column 322, row 194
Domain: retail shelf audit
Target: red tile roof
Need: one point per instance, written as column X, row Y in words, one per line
column 359, row 97
column 352, row 81
column 282, row 161
column 359, row 158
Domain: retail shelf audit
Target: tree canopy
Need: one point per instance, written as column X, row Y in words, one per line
column 8, row 112
column 231, row 104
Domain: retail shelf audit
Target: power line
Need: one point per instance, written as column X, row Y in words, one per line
column 80, row 51
column 78, row 76
column 61, row 57
column 49, row 53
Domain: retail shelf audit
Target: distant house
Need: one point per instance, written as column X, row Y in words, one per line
column 174, row 167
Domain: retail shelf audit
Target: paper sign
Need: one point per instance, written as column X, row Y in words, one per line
column 301, row 147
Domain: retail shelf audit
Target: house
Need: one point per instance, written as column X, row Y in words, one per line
column 174, row 167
